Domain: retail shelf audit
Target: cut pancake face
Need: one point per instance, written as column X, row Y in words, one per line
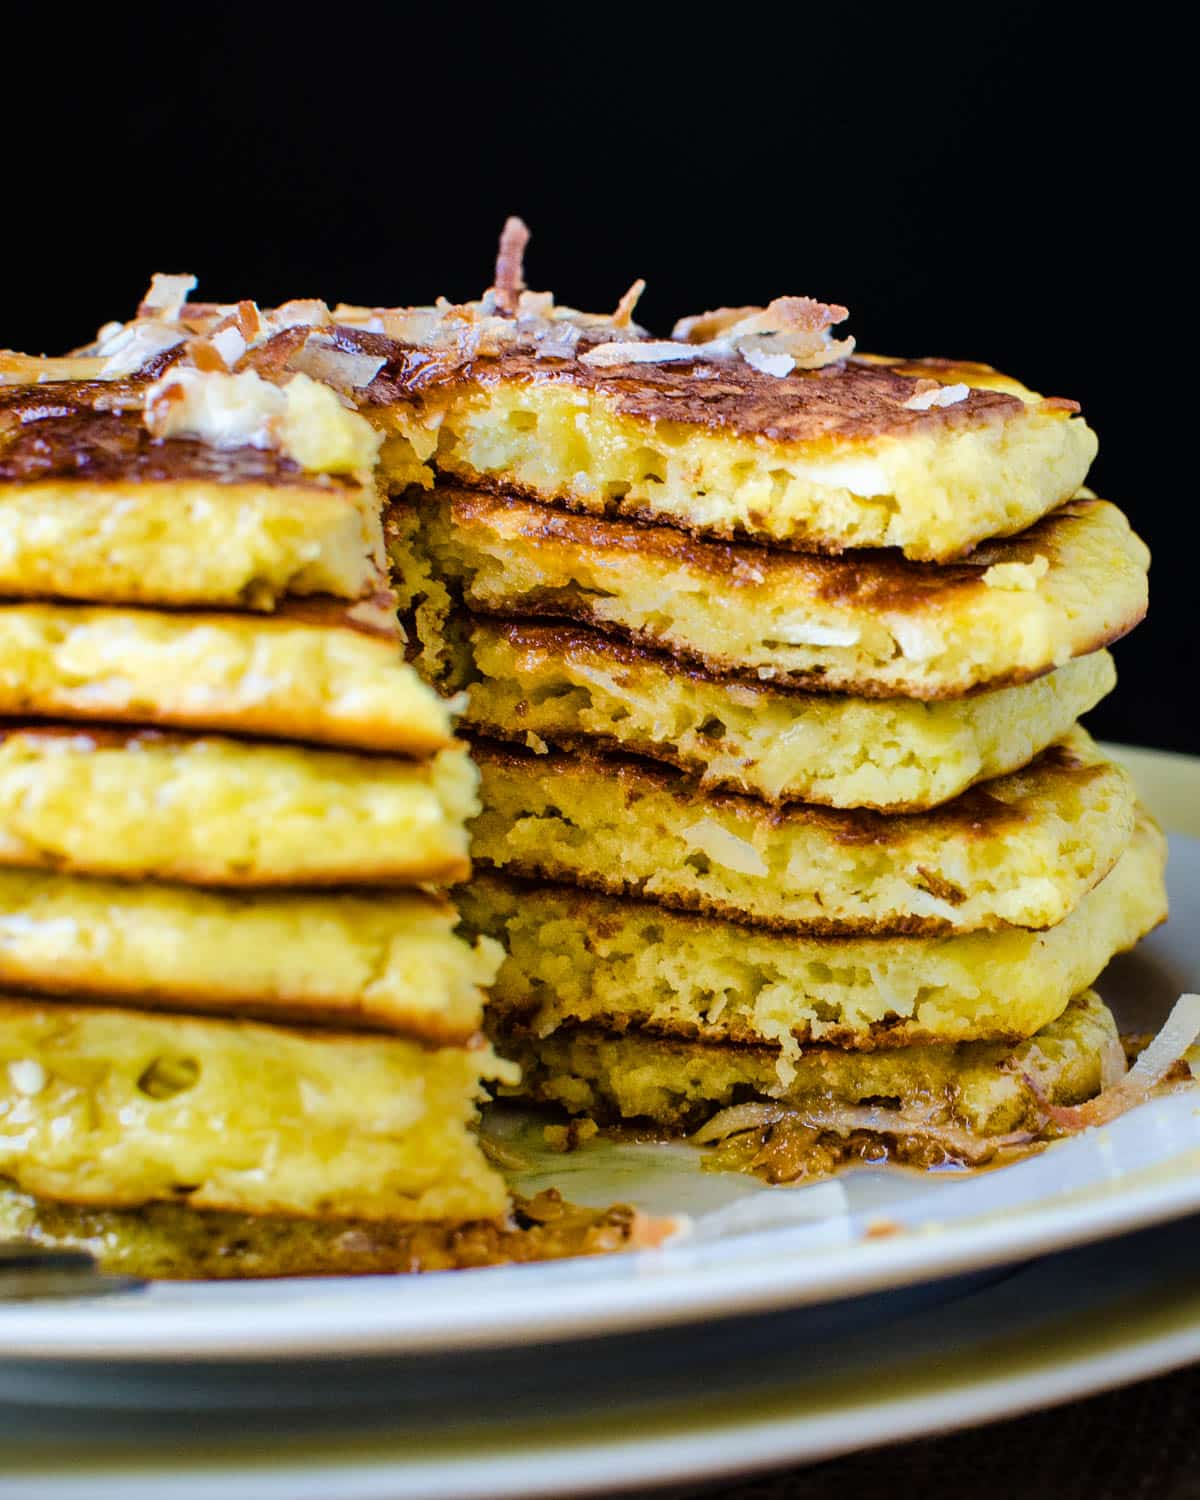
column 92, row 508
column 852, row 455
column 1020, row 851
column 569, row 686
column 388, row 962
column 212, row 811
column 314, row 671
column 119, row 1108
column 577, row 958
column 871, row 624
column 934, row 1103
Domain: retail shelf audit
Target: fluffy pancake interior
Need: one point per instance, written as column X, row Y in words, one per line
column 388, row 960
column 119, row 1108
column 976, row 1086
column 579, row 958
column 228, row 812
column 865, row 623
column 188, row 541
column 1021, row 850
column 565, row 685
column 291, row 675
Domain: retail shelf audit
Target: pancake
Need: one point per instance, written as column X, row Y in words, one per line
column 821, row 460
column 568, row 686
column 577, row 958
column 164, row 1241
column 93, row 508
column 379, row 961
column 1019, row 851
column 212, row 811
column 870, row 624
column 118, row 1108
column 929, row 1104
column 314, row 671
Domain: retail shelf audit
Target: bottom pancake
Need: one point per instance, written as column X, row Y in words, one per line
column 930, row 1105
column 577, row 957
column 167, row 1241
column 117, row 1108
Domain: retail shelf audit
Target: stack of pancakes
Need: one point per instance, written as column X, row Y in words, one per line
column 775, row 663
column 238, row 1031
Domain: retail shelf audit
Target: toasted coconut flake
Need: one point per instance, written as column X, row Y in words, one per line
column 224, row 411
column 931, row 393
column 270, row 357
column 166, row 297
column 134, row 345
column 623, row 317
column 789, row 333
column 345, row 369
column 229, row 343
column 778, row 365
column 703, row 328
column 648, row 352
column 508, row 281
column 303, row 312
column 1177, row 1036
column 205, row 355
column 33, row 369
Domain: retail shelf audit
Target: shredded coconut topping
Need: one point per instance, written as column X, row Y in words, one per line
column 344, row 369
column 932, row 393
column 790, row 333
column 509, row 280
column 647, row 352
column 166, row 297
column 623, row 315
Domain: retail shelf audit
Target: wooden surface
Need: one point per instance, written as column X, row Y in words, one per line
column 1140, row 1443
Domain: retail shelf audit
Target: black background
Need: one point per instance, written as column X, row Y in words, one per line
column 1011, row 184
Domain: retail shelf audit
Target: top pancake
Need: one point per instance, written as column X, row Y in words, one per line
column 93, row 507
column 821, row 460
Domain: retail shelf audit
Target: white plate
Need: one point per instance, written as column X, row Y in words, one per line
column 704, row 1399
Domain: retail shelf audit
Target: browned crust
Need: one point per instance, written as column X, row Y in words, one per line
column 57, row 432
column 975, row 813
column 362, row 736
column 315, row 1023
column 816, row 680
column 511, row 1021
column 854, row 401
column 396, row 873
column 92, row 735
column 348, row 1015
column 596, row 642
column 668, row 755
column 691, row 903
column 873, row 579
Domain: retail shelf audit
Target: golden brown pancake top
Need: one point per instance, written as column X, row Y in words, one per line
column 77, row 430
column 852, row 400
